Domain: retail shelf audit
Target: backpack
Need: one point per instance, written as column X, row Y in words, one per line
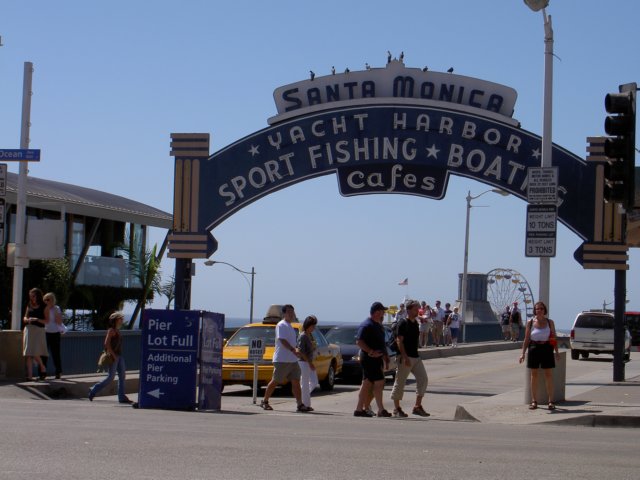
column 391, row 343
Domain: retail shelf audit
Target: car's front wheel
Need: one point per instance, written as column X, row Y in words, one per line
column 585, row 354
column 575, row 354
column 329, row 382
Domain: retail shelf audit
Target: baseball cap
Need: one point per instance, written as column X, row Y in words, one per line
column 377, row 306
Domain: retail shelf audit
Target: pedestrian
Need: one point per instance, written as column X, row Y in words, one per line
column 34, row 343
column 515, row 322
column 454, row 326
column 446, row 331
column 285, row 360
column 504, row 321
column 113, row 346
column 409, row 362
column 307, row 350
column 540, row 340
column 401, row 313
column 374, row 359
column 53, row 329
column 424, row 317
column 438, row 324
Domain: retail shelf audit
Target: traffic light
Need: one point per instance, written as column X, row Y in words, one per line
column 620, row 147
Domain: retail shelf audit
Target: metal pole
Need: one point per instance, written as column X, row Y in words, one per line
column 464, row 270
column 620, row 295
column 545, row 262
column 253, row 274
column 20, row 254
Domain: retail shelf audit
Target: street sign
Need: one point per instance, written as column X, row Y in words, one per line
column 168, row 368
column 3, row 179
column 542, row 223
column 542, row 185
column 20, row 155
column 1, row 211
column 256, row 349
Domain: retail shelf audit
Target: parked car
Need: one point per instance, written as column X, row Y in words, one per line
column 592, row 332
column 237, row 369
column 344, row 335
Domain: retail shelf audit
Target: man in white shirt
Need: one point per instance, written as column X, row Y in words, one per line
column 285, row 360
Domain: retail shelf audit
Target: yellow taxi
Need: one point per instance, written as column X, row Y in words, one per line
column 238, row 370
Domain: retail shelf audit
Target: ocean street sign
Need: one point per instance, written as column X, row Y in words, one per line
column 20, row 155
column 168, row 368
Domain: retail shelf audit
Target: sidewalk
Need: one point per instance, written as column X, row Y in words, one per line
column 590, row 400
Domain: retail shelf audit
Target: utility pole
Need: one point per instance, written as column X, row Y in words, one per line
column 20, row 257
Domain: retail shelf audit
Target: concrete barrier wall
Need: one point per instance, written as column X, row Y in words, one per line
column 79, row 352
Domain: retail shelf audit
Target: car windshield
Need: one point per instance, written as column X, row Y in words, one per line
column 243, row 337
column 342, row 335
column 594, row 321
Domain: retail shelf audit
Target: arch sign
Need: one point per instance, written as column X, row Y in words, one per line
column 391, row 130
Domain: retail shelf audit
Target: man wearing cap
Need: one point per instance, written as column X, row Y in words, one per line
column 515, row 322
column 374, row 358
column 285, row 360
column 409, row 362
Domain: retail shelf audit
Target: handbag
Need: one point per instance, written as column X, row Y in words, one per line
column 105, row 360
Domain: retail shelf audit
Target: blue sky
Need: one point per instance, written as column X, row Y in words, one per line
column 113, row 79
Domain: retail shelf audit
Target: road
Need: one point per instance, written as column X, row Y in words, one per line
column 78, row 439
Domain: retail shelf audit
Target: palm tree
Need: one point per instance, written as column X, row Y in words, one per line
column 144, row 267
column 168, row 289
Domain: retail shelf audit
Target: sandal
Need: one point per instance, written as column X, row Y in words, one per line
column 265, row 405
column 551, row 406
column 533, row 405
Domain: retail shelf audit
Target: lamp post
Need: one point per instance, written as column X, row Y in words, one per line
column 466, row 255
column 536, row 6
column 209, row 263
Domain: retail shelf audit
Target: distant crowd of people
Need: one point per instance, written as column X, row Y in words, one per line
column 437, row 326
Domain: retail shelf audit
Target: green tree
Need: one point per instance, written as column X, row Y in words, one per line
column 145, row 267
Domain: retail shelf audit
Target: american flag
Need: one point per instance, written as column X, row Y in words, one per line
column 404, row 282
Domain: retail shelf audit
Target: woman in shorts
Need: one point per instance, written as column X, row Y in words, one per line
column 540, row 340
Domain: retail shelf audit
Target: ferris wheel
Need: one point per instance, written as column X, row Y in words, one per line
column 505, row 286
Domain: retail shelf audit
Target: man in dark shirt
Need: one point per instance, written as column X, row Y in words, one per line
column 374, row 358
column 409, row 362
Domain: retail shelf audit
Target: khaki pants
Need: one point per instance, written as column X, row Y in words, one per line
column 402, row 372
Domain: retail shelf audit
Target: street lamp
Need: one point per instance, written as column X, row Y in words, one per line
column 537, row 5
column 209, row 263
column 466, row 255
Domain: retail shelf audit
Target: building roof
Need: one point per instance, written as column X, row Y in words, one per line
column 58, row 196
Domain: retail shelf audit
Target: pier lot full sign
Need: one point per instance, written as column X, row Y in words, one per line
column 169, row 359
column 390, row 130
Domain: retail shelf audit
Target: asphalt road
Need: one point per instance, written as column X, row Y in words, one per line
column 78, row 439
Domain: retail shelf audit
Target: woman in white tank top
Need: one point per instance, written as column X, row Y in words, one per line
column 540, row 341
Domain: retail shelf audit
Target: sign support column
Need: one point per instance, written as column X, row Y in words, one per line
column 21, row 206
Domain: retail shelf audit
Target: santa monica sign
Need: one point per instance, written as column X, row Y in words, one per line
column 388, row 130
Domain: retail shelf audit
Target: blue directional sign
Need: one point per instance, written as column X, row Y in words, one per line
column 18, row 155
column 210, row 386
column 168, row 368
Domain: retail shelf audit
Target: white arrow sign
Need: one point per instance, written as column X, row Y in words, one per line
column 155, row 393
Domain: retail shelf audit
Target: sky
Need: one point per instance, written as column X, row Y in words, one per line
column 114, row 79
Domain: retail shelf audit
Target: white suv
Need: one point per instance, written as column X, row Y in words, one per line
column 592, row 332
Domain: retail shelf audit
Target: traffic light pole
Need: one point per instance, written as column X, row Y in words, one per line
column 620, row 295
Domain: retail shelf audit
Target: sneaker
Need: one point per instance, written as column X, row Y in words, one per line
column 91, row 395
column 362, row 413
column 303, row 408
column 420, row 411
column 399, row 413
column 383, row 413
column 126, row 401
